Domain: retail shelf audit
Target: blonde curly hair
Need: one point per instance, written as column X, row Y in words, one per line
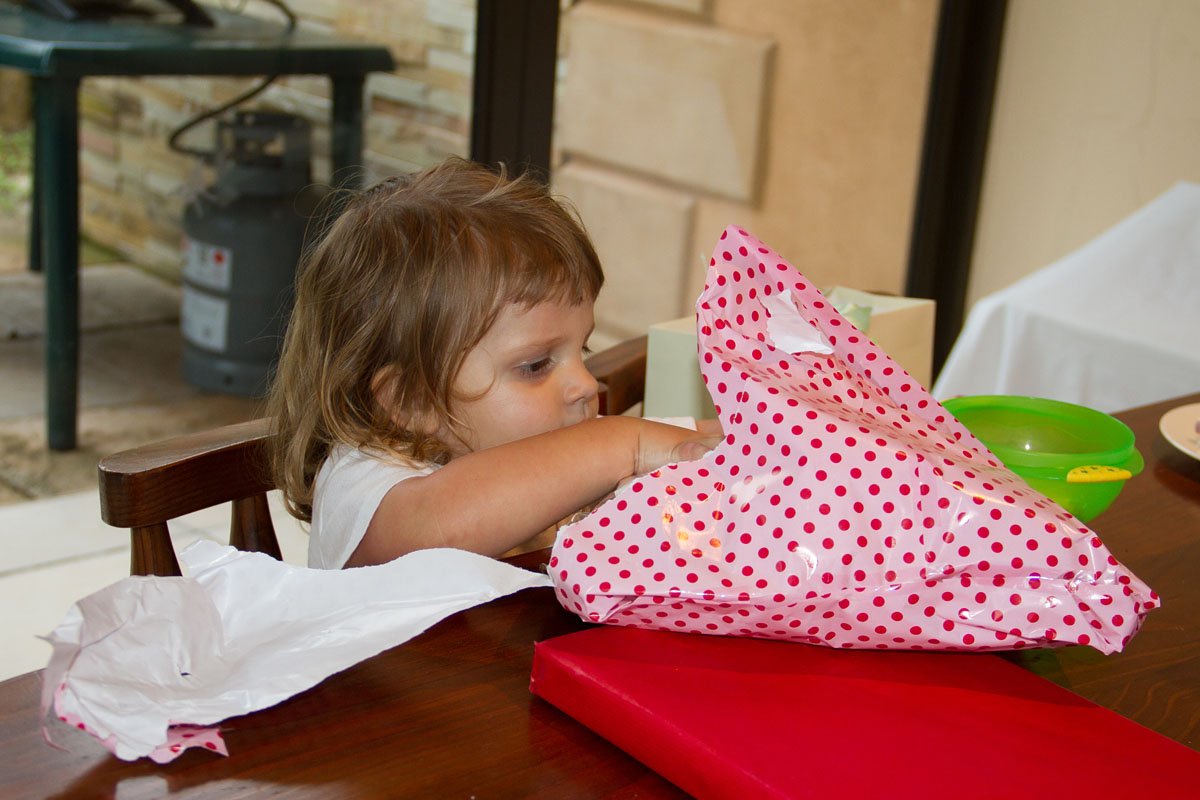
column 404, row 283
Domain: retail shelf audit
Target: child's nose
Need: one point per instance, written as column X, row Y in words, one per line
column 581, row 386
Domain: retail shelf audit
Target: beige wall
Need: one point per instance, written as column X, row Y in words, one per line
column 843, row 137
column 1097, row 112
column 800, row 120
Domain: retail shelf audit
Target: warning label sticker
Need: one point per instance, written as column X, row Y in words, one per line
column 207, row 265
column 204, row 319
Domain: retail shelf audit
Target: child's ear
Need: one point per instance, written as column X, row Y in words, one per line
column 383, row 388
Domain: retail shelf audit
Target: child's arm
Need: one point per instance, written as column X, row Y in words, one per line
column 492, row 500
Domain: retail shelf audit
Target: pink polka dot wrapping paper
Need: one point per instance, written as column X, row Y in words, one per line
column 845, row 507
column 179, row 736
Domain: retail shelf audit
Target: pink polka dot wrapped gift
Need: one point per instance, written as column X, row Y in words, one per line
column 845, row 507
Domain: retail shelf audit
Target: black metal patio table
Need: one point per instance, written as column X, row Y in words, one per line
column 59, row 55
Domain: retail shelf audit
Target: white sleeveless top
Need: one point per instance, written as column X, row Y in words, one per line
column 349, row 488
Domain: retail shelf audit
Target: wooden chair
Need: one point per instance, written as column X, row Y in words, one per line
column 144, row 488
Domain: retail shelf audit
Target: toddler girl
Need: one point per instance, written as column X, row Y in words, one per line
column 431, row 391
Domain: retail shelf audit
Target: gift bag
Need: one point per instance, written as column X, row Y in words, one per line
column 845, row 507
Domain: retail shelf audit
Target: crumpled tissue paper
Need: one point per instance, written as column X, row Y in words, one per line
column 147, row 664
column 845, row 507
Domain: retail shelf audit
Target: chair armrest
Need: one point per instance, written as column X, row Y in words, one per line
column 621, row 371
column 167, row 479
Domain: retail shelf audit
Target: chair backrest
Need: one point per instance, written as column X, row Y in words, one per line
column 144, row 488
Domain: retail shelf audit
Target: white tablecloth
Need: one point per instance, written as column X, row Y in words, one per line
column 1114, row 325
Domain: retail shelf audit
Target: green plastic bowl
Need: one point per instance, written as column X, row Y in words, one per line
column 1078, row 457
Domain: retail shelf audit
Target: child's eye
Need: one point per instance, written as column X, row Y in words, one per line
column 535, row 369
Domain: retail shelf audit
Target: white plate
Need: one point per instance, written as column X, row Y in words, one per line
column 1179, row 426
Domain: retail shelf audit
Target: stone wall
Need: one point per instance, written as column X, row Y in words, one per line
column 135, row 187
column 15, row 109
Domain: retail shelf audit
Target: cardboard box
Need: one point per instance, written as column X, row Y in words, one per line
column 902, row 326
column 674, row 387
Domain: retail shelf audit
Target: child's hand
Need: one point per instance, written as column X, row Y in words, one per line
column 660, row 444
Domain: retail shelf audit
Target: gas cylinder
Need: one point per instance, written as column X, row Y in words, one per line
column 242, row 240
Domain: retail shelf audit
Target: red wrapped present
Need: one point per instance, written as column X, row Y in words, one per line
column 750, row 718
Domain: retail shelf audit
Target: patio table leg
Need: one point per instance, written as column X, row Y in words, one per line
column 346, row 136
column 34, row 250
column 56, row 129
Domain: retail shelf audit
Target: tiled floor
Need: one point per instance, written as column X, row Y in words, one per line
column 54, row 548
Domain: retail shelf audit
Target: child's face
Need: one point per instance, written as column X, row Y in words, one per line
column 525, row 377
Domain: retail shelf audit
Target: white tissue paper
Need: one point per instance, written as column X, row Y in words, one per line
column 790, row 331
column 146, row 663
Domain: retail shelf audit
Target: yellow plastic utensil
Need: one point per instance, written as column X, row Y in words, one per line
column 1097, row 473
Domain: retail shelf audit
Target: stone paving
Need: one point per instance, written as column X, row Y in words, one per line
column 131, row 391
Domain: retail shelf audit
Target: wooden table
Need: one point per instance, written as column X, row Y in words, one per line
column 59, row 55
column 449, row 714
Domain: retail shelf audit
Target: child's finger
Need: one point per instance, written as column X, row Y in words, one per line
column 694, row 448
